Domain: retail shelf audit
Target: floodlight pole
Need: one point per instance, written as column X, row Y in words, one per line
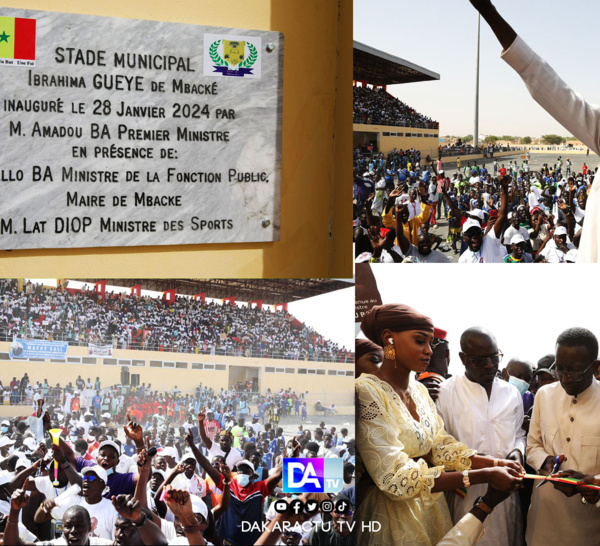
column 476, row 130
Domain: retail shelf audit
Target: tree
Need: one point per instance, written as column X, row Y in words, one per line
column 526, row 140
column 468, row 138
column 508, row 138
column 552, row 140
column 490, row 139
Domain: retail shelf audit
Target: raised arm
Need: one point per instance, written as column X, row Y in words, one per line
column 180, row 504
column 503, row 212
column 503, row 31
column 73, row 477
column 224, row 504
column 203, row 436
column 130, row 508
column 18, row 501
column 202, row 460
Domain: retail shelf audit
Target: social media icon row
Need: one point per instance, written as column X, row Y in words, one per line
column 296, row 506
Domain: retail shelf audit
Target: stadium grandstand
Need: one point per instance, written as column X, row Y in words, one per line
column 195, row 333
column 381, row 121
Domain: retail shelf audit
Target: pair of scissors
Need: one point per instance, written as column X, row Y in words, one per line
column 557, row 462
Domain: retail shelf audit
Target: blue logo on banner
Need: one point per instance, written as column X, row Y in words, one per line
column 313, row 475
column 21, row 348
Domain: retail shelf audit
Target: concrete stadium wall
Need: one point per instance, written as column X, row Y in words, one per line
column 464, row 159
column 337, row 389
column 427, row 145
column 316, row 145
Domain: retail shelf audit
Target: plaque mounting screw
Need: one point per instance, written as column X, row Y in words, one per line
column 266, row 222
column 270, row 47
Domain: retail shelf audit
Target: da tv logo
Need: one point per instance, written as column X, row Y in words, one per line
column 313, row 475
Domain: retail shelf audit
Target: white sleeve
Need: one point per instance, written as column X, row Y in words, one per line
column 545, row 86
column 466, row 532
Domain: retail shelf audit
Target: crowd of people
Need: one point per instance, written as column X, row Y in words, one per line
column 378, row 107
column 208, row 474
column 499, row 213
column 132, row 322
column 483, row 438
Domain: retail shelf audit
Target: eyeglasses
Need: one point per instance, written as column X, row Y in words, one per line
column 89, row 478
column 481, row 361
column 573, row 376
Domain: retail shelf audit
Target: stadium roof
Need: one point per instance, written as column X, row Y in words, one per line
column 380, row 68
column 271, row 291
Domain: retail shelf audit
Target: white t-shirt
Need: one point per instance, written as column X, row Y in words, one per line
column 511, row 231
column 553, row 254
column 44, row 485
column 102, row 514
column 232, row 458
column 491, row 251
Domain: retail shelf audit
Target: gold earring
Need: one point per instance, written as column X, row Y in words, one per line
column 390, row 353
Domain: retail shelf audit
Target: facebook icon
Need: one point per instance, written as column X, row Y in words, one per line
column 313, row 475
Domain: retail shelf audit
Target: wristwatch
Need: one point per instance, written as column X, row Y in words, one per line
column 482, row 505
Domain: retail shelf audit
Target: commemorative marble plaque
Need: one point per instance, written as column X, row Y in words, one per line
column 121, row 132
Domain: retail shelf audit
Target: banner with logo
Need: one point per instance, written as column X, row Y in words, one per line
column 22, row 349
column 100, row 350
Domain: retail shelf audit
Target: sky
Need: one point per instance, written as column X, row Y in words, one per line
column 525, row 312
column 441, row 35
column 331, row 314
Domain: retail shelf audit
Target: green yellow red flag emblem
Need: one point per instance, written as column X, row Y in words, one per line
column 17, row 38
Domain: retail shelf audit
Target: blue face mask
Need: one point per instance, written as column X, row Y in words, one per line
column 519, row 383
column 4, row 429
column 109, row 472
column 243, row 479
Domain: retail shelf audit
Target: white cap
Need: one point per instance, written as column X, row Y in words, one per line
column 30, row 443
column 169, row 451
column 560, row 230
column 23, row 462
column 246, row 462
column 159, row 471
column 5, row 422
column 87, row 413
column 98, row 470
column 110, row 443
column 476, row 212
column 199, row 506
column 470, row 223
column 188, row 454
column 107, row 415
column 516, row 239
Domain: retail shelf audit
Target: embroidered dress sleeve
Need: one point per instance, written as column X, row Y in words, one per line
column 382, row 451
column 447, row 451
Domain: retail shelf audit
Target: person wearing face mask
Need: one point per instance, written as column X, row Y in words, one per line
column 519, row 373
column 5, row 427
column 246, row 503
column 246, row 500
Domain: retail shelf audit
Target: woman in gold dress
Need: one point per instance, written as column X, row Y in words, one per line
column 406, row 458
